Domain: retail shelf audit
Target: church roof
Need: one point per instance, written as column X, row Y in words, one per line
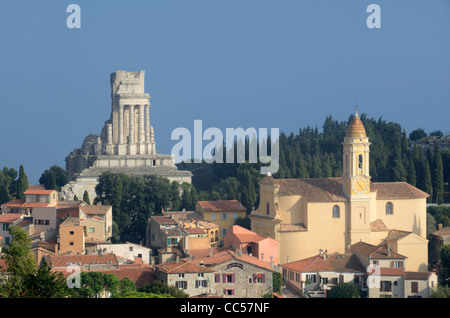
column 356, row 128
column 331, row 189
column 396, row 190
column 313, row 189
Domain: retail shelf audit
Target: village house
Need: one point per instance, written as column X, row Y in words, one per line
column 262, row 247
column 221, row 212
column 191, row 278
column 377, row 271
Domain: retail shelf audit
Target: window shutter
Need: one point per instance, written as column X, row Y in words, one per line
column 254, row 278
column 392, row 264
column 224, row 278
column 224, row 291
column 263, row 278
column 232, row 292
column 196, row 284
column 233, row 279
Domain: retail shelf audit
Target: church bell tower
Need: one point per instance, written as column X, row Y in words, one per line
column 356, row 181
column 356, row 178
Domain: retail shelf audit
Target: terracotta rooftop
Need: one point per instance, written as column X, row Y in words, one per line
column 246, row 236
column 64, row 260
column 228, row 255
column 378, row 225
column 10, row 217
column 374, row 251
column 195, row 230
column 445, row 231
column 313, row 189
column 184, row 215
column 221, row 205
column 344, row 263
column 164, row 220
column 395, row 235
column 140, row 274
column 14, row 203
column 387, row 190
column 417, row 275
column 96, row 209
column 331, row 189
column 182, row 266
column 38, row 191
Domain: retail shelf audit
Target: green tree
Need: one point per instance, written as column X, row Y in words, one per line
column 161, row 288
column 441, row 292
column 277, row 282
column 438, row 175
column 53, row 178
column 445, row 260
column 22, row 183
column 243, row 222
column 20, row 263
column 46, row 284
column 343, row 290
column 417, row 134
column 86, row 197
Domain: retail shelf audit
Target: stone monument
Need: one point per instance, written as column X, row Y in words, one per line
column 126, row 142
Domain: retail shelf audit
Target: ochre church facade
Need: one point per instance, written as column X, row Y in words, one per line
column 312, row 214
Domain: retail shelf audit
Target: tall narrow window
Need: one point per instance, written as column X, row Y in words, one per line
column 336, row 212
column 346, row 163
column 360, row 161
column 389, row 208
column 267, row 208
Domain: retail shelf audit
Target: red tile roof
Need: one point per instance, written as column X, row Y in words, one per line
column 10, row 217
column 164, row 220
column 221, row 205
column 182, row 266
column 246, row 236
column 63, row 260
column 228, row 255
column 14, row 203
column 331, row 189
column 374, row 251
column 38, row 191
column 336, row 262
column 96, row 209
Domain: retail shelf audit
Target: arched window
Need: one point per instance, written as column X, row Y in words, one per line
column 346, row 162
column 360, row 161
column 267, row 208
column 336, row 211
column 389, row 208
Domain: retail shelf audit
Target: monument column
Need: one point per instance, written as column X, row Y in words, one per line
column 141, row 132
column 147, row 127
column 131, row 132
column 121, row 147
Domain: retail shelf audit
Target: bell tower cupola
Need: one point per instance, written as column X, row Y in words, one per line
column 356, row 178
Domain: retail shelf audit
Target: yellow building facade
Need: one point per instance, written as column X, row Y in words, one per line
column 306, row 215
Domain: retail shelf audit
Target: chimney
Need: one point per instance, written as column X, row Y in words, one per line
column 210, row 252
column 325, row 256
column 440, row 226
column 388, row 251
column 177, row 259
column 320, row 252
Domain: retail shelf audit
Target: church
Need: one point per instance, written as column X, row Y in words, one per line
column 312, row 214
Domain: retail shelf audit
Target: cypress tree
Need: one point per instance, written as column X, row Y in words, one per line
column 86, row 197
column 438, row 175
column 426, row 179
column 22, row 183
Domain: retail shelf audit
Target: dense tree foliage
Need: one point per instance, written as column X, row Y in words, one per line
column 318, row 154
column 343, row 290
column 160, row 288
column 135, row 199
column 25, row 280
column 12, row 184
column 53, row 178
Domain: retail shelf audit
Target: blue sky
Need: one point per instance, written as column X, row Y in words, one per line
column 235, row 63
